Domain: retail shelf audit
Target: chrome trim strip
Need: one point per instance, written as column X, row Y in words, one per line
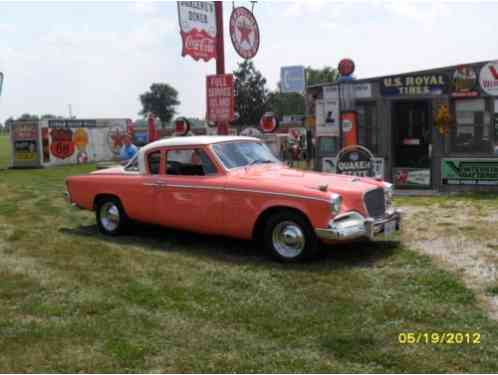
column 194, row 187
column 246, row 191
column 279, row 194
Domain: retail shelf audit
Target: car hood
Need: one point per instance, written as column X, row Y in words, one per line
column 283, row 177
column 118, row 169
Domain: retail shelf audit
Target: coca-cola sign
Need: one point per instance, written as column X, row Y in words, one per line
column 198, row 29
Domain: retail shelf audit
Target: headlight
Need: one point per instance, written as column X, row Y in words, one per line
column 388, row 193
column 335, row 204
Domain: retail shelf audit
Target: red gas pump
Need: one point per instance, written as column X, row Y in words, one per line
column 151, row 127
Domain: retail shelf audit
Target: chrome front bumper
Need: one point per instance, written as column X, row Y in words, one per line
column 352, row 225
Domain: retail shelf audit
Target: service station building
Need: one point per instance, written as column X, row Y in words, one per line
column 434, row 129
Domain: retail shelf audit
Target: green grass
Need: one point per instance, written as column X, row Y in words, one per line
column 5, row 148
column 157, row 300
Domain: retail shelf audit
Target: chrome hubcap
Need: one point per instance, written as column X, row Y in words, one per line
column 288, row 239
column 109, row 216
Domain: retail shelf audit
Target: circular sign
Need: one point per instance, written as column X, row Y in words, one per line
column 489, row 78
column 355, row 160
column 346, row 67
column 244, row 32
column 182, row 127
column 268, row 123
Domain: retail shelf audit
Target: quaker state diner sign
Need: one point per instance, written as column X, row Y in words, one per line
column 244, row 32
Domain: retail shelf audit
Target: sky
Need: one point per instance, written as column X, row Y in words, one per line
column 100, row 56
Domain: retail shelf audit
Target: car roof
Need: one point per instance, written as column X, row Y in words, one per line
column 195, row 140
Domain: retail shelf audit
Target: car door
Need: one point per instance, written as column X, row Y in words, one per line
column 192, row 191
column 141, row 200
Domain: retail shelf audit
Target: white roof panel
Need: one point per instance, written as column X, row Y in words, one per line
column 195, row 140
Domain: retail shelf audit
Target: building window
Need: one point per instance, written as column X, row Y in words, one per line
column 472, row 131
column 367, row 126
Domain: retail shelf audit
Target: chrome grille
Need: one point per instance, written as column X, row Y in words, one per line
column 375, row 203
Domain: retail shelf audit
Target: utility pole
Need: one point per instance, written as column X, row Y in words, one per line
column 70, row 109
column 220, row 54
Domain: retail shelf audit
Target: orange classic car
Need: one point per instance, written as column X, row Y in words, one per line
column 235, row 186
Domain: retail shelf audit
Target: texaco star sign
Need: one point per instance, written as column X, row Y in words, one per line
column 244, row 32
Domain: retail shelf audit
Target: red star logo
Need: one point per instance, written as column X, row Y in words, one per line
column 245, row 31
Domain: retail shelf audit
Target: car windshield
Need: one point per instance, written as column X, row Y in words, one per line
column 241, row 154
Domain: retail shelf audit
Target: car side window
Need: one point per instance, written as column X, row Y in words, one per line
column 189, row 162
column 154, row 162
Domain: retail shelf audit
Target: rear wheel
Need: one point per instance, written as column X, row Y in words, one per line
column 289, row 237
column 111, row 217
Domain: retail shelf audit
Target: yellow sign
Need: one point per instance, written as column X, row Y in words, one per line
column 310, row 122
column 20, row 155
column 80, row 139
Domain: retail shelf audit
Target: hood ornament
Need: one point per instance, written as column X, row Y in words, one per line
column 323, row 187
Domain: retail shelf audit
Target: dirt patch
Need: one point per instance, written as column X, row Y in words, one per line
column 458, row 235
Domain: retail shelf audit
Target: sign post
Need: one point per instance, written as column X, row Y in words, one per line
column 220, row 59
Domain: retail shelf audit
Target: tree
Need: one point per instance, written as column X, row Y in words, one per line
column 161, row 101
column 282, row 104
column 324, row 75
column 48, row 116
column 28, row 117
column 251, row 95
column 9, row 123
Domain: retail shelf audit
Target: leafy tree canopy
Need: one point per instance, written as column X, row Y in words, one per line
column 325, row 75
column 161, row 100
column 283, row 104
column 251, row 95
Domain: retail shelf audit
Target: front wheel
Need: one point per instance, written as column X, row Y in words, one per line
column 289, row 237
column 111, row 217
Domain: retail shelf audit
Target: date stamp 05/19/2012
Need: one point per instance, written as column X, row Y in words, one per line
column 440, row 338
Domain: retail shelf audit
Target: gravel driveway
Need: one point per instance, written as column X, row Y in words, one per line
column 461, row 234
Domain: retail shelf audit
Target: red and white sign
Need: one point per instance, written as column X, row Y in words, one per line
column 268, row 123
column 346, row 67
column 182, row 126
column 489, row 78
column 62, row 145
column 220, row 97
column 198, row 29
column 244, row 32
